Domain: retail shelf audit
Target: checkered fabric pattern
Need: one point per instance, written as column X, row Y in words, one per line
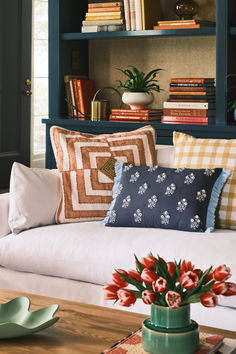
column 86, row 191
column 193, row 152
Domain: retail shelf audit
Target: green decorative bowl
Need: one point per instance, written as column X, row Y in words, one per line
column 17, row 321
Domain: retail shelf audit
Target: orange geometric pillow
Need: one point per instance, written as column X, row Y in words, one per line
column 86, row 191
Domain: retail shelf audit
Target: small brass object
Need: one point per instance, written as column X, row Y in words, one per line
column 100, row 109
column 28, row 93
column 28, row 82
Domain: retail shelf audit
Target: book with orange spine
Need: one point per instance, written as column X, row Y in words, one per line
column 193, row 93
column 105, row 9
column 192, row 88
column 176, row 27
column 104, row 4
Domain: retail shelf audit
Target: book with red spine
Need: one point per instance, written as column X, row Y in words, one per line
column 136, row 118
column 193, row 80
column 184, row 119
column 85, row 90
column 141, row 112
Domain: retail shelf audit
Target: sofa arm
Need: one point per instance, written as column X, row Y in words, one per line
column 4, row 212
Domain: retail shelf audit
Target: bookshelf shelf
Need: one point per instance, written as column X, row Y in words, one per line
column 65, row 19
column 204, row 31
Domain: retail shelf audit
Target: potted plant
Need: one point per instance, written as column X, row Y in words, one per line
column 138, row 87
column 170, row 288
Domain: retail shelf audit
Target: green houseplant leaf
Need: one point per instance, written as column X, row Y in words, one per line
column 138, row 81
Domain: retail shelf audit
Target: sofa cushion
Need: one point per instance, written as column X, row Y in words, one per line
column 181, row 199
column 89, row 251
column 193, row 152
column 34, row 197
column 4, row 212
column 87, row 192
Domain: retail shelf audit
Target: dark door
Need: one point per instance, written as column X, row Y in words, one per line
column 15, row 70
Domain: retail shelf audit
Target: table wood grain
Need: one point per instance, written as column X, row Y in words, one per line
column 81, row 328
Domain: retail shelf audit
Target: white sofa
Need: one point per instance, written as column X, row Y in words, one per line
column 74, row 261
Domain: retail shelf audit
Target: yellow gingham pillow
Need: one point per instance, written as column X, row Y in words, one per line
column 193, row 152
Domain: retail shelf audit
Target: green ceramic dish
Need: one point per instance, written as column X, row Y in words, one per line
column 17, row 321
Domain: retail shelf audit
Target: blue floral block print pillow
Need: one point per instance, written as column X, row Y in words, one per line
column 169, row 198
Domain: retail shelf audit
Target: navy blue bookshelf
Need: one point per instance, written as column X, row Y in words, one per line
column 65, row 20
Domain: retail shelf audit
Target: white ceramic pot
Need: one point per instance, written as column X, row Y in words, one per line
column 137, row 100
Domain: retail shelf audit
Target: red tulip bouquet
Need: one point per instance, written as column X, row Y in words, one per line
column 169, row 283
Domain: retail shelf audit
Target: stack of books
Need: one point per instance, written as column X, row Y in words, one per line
column 79, row 94
column 103, row 16
column 135, row 115
column 191, row 101
column 183, row 24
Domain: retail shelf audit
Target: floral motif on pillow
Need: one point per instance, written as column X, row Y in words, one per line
column 159, row 197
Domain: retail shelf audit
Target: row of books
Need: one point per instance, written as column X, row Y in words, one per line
column 79, row 94
column 141, row 14
column 191, row 101
column 129, row 15
column 104, row 17
column 135, row 115
column 182, row 24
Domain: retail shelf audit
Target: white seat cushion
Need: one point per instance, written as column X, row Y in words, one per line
column 89, row 251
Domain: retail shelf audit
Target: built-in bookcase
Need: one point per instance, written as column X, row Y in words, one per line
column 67, row 42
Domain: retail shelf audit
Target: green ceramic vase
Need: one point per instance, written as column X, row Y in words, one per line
column 170, row 331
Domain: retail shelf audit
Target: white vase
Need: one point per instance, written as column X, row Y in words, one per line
column 137, row 100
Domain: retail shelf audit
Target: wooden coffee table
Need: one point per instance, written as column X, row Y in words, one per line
column 81, row 328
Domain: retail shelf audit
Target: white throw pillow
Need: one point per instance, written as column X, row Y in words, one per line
column 34, row 197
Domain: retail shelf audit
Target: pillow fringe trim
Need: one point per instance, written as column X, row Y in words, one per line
column 118, row 171
column 215, row 195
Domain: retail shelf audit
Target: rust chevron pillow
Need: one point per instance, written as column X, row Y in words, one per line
column 86, row 191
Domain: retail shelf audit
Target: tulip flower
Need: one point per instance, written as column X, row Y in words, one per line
column 209, row 277
column 116, row 278
column 189, row 280
column 219, row 288
column 197, row 271
column 171, row 267
column 147, row 262
column 221, row 273
column 134, row 275
column 186, row 266
column 148, row 297
column 127, row 298
column 159, row 286
column 173, row 299
column 148, row 276
column 111, row 292
column 231, row 289
column 209, row 299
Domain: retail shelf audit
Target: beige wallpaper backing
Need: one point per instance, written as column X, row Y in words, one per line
column 178, row 56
